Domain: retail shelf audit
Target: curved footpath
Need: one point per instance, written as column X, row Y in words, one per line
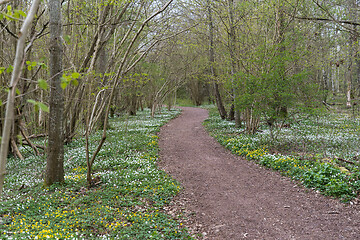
column 237, row 199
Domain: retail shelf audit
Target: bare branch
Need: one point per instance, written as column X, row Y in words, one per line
column 4, row 1
column 328, row 20
column 8, row 30
column 334, row 19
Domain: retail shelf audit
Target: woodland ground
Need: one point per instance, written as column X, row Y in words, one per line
column 233, row 198
column 129, row 201
column 224, row 197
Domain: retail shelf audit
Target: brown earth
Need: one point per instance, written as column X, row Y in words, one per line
column 232, row 198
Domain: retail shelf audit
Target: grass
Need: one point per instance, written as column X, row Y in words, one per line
column 184, row 102
column 128, row 204
column 321, row 151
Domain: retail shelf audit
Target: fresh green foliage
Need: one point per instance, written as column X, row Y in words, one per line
column 30, row 65
column 127, row 203
column 313, row 153
column 2, row 69
column 11, row 14
column 67, row 79
column 38, row 105
column 9, row 69
column 43, row 84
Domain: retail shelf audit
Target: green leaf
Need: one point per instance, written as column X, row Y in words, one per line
column 30, row 65
column 16, row 14
column 39, row 105
column 75, row 75
column 31, row 101
column 17, row 91
column 1, row 103
column 22, row 13
column 2, row 69
column 43, row 65
column 64, row 83
column 75, row 82
column 43, row 107
column 9, row 69
column 67, row 39
column 43, row 84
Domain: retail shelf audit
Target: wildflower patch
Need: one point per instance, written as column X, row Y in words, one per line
column 327, row 177
column 127, row 204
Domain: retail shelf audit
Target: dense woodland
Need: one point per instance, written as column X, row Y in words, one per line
column 81, row 62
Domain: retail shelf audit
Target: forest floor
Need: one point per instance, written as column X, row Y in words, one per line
column 233, row 198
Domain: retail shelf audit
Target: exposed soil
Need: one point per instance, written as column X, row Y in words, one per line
column 232, row 198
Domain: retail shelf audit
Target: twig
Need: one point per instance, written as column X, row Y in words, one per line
column 37, row 135
column 328, row 107
column 4, row 1
column 8, row 30
column 327, row 20
column 343, row 160
column 15, row 149
column 37, row 146
column 37, row 153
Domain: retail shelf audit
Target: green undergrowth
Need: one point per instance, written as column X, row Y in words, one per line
column 128, row 203
column 320, row 152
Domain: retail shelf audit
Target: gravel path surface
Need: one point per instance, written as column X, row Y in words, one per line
column 236, row 199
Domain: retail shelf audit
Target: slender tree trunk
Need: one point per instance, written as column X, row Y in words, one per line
column 9, row 114
column 234, row 64
column 218, row 98
column 116, row 80
column 55, row 158
column 352, row 52
column 281, row 109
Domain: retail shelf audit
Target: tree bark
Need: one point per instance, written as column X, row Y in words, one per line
column 352, row 53
column 116, row 80
column 218, row 98
column 232, row 50
column 55, row 158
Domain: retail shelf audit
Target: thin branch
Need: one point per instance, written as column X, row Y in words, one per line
column 328, row 20
column 4, row 1
column 333, row 18
column 8, row 30
column 153, row 44
column 13, row 18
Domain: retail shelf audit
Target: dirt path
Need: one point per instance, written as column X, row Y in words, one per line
column 237, row 199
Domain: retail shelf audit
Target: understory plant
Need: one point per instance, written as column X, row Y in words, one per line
column 320, row 152
column 127, row 201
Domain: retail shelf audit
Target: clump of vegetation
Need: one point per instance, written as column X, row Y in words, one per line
column 321, row 152
column 126, row 202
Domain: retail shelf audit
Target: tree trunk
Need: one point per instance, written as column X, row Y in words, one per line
column 352, row 52
column 55, row 158
column 234, row 64
column 218, row 98
column 280, row 109
column 9, row 114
